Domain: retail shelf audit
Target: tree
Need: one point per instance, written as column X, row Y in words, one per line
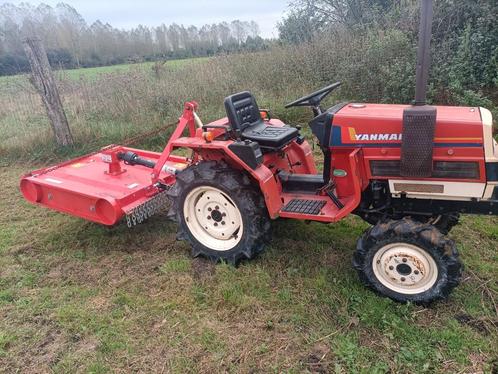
column 71, row 42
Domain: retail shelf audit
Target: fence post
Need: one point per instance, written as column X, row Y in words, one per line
column 43, row 80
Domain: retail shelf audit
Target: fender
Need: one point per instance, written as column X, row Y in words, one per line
column 262, row 175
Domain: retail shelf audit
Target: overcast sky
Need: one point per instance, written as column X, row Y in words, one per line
column 129, row 13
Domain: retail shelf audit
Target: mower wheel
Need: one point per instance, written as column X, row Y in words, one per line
column 219, row 212
column 406, row 260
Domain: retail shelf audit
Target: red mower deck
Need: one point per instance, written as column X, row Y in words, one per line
column 101, row 188
column 84, row 186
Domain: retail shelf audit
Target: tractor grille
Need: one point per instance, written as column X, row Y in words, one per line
column 304, row 206
column 418, row 141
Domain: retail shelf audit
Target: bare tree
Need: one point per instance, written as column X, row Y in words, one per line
column 43, row 80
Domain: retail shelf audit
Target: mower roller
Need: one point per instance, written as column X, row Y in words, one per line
column 409, row 170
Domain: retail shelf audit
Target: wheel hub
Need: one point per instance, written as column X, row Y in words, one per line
column 213, row 218
column 405, row 268
column 216, row 215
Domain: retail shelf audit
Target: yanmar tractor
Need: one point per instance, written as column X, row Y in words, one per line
column 409, row 170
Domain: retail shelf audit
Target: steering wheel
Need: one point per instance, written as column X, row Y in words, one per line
column 314, row 98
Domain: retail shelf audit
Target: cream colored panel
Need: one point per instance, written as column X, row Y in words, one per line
column 490, row 187
column 490, row 145
column 436, row 189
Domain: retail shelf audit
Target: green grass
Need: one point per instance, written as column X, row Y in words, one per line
column 95, row 72
column 79, row 297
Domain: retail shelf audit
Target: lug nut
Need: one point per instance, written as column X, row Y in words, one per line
column 415, row 272
column 216, row 223
column 223, row 214
column 404, row 259
column 216, row 207
column 391, row 267
column 222, row 222
column 402, row 279
column 209, row 217
column 209, row 209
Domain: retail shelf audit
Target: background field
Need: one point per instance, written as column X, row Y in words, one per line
column 75, row 296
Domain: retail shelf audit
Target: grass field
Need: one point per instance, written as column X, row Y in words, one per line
column 94, row 73
column 103, row 105
column 76, row 296
column 79, row 297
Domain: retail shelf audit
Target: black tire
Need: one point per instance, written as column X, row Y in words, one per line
column 420, row 235
column 246, row 197
column 443, row 222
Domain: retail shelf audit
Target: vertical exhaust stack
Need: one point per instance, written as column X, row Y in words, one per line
column 419, row 121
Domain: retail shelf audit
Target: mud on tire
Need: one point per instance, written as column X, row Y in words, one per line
column 237, row 188
column 442, row 222
column 423, row 240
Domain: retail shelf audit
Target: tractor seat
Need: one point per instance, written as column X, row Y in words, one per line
column 245, row 119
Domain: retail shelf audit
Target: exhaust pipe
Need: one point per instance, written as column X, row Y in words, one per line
column 419, row 121
column 424, row 51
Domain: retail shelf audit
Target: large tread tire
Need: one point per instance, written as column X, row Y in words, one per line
column 444, row 222
column 422, row 235
column 235, row 184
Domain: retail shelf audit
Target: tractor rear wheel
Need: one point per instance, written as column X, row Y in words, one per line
column 406, row 260
column 219, row 212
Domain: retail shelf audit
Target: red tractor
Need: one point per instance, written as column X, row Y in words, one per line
column 409, row 170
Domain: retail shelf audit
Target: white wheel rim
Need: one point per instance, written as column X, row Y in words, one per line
column 405, row 268
column 213, row 218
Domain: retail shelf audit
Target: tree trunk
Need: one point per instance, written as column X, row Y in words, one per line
column 43, row 80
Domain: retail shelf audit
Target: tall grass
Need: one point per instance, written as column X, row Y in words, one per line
column 376, row 66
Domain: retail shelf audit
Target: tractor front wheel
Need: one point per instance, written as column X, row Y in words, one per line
column 219, row 212
column 407, row 261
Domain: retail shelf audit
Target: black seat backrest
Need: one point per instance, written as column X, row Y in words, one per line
column 242, row 110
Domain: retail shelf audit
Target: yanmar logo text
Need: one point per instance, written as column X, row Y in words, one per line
column 373, row 137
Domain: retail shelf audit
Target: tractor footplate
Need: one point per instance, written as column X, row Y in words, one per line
column 304, row 206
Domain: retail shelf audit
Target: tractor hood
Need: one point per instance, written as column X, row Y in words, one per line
column 381, row 125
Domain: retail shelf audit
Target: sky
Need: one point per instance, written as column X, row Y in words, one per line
column 130, row 13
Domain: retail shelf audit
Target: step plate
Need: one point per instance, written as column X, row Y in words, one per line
column 312, row 207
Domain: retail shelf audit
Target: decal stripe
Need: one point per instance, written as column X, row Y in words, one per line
column 336, row 141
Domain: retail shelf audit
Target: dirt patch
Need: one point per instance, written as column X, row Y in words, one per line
column 86, row 346
column 478, row 362
column 481, row 325
column 318, row 360
column 425, row 316
column 372, row 339
column 45, row 353
column 99, row 303
column 202, row 269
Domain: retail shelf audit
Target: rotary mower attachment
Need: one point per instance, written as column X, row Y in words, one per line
column 114, row 182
